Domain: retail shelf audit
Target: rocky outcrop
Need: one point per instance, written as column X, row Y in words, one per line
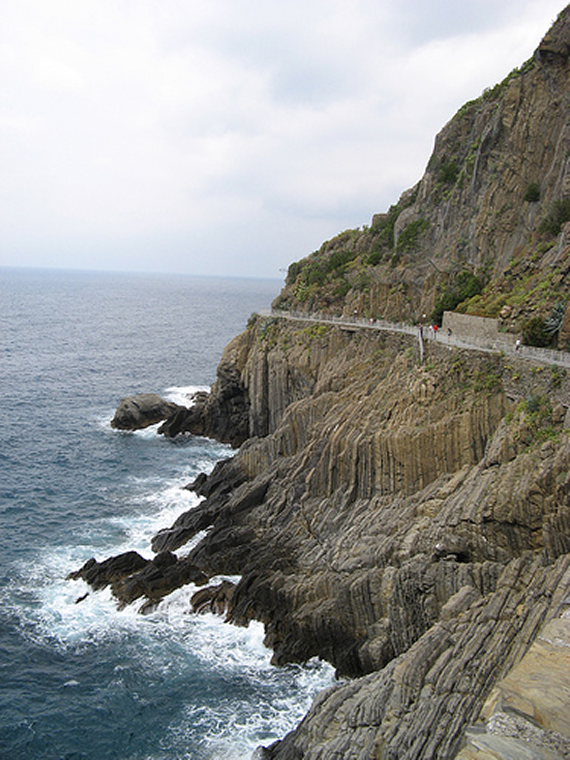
column 132, row 577
column 405, row 516
column 217, row 599
column 224, row 413
column 394, row 509
column 100, row 574
column 160, row 577
column 418, row 705
column 526, row 714
column 136, row 412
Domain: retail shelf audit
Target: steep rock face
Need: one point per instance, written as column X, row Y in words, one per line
column 492, row 203
column 418, row 705
column 389, row 490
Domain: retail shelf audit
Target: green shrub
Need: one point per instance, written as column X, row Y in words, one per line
column 342, row 288
column 374, row 258
column 409, row 236
column 553, row 323
column 314, row 274
column 532, row 192
column 448, row 172
column 465, row 285
column 395, row 260
column 559, row 214
column 534, row 333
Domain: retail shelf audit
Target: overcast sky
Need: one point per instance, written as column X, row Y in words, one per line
column 228, row 137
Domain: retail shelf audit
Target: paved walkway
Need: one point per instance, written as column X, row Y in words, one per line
column 530, row 353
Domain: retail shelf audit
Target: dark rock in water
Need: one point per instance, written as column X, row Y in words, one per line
column 131, row 576
column 101, row 574
column 197, row 483
column 160, row 577
column 225, row 477
column 137, row 412
column 182, row 421
column 262, row 753
column 81, row 598
column 164, row 559
column 216, row 599
column 187, row 420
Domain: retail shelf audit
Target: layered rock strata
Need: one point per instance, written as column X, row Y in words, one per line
column 406, row 521
column 407, row 517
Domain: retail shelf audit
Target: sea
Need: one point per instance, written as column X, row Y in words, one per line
column 83, row 680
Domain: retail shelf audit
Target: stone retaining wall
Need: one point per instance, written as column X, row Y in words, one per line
column 480, row 328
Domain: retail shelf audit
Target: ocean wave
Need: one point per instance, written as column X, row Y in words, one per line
column 183, row 394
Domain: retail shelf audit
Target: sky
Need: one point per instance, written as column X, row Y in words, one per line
column 228, row 137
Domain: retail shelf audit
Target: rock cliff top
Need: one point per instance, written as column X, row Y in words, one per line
column 486, row 228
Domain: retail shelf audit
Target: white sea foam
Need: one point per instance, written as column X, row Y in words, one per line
column 159, row 510
column 164, row 640
column 103, row 422
column 172, row 640
column 183, row 394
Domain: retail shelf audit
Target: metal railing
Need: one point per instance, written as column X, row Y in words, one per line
column 532, row 353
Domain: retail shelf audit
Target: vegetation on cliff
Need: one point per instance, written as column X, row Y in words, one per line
column 493, row 206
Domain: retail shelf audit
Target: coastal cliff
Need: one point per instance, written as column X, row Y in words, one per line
column 404, row 514
column 408, row 521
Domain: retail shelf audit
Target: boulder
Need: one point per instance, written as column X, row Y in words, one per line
column 137, row 412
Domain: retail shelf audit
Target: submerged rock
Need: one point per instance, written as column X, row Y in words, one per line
column 137, row 412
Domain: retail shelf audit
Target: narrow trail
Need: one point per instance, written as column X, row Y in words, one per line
column 427, row 334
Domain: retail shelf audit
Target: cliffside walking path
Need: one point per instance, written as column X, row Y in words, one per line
column 424, row 333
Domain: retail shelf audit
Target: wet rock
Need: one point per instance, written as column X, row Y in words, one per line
column 216, row 599
column 137, row 412
column 101, row 574
column 197, row 483
column 160, row 577
column 131, row 576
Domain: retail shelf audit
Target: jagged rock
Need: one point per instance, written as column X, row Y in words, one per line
column 197, row 483
column 160, row 577
column 216, row 599
column 131, row 576
column 101, row 574
column 182, row 421
column 136, row 412
column 417, row 706
column 226, row 476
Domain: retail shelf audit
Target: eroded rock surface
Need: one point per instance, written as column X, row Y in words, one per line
column 132, row 577
column 137, row 412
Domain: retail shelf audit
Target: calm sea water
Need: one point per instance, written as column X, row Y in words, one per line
column 84, row 681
